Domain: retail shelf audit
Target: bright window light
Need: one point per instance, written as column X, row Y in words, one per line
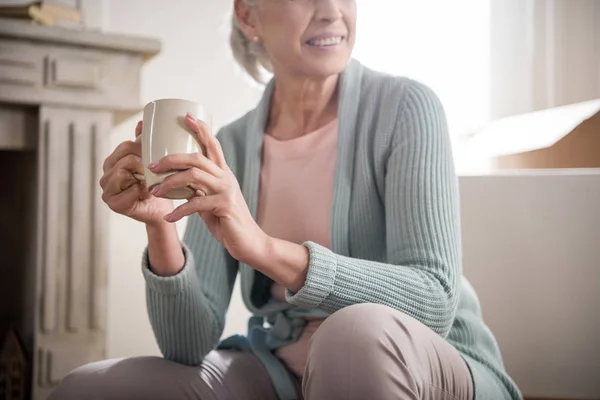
column 444, row 44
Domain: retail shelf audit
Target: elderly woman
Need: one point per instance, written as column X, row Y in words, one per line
column 336, row 202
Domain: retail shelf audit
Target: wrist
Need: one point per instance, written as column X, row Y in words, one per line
column 259, row 255
column 284, row 262
column 158, row 226
column 166, row 257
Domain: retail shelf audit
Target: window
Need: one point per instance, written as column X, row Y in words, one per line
column 444, row 44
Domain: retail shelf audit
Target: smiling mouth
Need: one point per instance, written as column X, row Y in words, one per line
column 330, row 41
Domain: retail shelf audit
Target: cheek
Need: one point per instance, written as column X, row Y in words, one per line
column 350, row 19
column 283, row 36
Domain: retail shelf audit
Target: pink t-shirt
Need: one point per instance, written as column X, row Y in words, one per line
column 296, row 192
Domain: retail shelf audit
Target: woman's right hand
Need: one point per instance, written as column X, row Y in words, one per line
column 123, row 192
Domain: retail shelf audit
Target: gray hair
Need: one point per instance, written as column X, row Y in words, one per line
column 251, row 56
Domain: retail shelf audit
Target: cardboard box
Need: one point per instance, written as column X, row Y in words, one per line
column 562, row 137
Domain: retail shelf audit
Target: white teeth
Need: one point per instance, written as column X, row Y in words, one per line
column 331, row 41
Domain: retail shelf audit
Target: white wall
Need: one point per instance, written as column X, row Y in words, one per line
column 193, row 64
column 544, row 54
column 531, row 250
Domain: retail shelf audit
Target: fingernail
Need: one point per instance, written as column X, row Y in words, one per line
column 168, row 217
column 155, row 189
column 191, row 116
column 152, row 165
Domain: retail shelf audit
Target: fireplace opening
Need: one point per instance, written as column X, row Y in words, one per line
column 18, row 273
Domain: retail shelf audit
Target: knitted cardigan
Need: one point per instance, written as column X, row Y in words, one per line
column 395, row 237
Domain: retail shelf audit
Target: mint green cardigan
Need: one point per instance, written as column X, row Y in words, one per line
column 395, row 237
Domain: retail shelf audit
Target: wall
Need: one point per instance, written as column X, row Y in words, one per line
column 530, row 244
column 189, row 66
column 576, row 40
column 545, row 54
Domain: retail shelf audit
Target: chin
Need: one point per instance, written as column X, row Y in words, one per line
column 324, row 68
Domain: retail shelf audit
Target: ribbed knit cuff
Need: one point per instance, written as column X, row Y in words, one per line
column 170, row 285
column 320, row 278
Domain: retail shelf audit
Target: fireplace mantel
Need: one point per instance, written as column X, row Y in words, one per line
column 45, row 65
column 61, row 91
column 18, row 30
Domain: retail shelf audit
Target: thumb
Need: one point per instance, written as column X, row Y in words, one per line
column 138, row 129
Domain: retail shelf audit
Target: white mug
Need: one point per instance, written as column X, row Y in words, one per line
column 165, row 132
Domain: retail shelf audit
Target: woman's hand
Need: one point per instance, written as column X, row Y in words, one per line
column 218, row 200
column 123, row 193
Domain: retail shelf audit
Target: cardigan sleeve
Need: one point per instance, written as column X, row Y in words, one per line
column 187, row 311
column 423, row 267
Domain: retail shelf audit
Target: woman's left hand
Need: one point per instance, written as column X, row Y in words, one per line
column 218, row 200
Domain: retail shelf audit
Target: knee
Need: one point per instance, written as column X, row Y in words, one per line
column 130, row 378
column 365, row 330
column 361, row 323
column 83, row 382
column 359, row 352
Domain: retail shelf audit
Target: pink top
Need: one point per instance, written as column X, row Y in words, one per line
column 296, row 193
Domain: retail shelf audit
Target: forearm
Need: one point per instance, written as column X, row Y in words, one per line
column 186, row 324
column 417, row 287
column 319, row 278
column 284, row 262
column 187, row 309
column 185, row 327
column 164, row 249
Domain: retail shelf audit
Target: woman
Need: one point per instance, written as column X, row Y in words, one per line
column 336, row 202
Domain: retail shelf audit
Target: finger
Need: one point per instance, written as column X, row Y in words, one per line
column 121, row 151
column 206, row 139
column 103, row 180
column 138, row 129
column 218, row 150
column 193, row 177
column 202, row 132
column 178, row 162
column 131, row 163
column 194, row 205
column 144, row 194
column 119, row 181
column 124, row 200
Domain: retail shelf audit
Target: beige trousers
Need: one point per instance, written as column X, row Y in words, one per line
column 361, row 352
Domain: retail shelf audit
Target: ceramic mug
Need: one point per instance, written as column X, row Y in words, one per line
column 165, row 132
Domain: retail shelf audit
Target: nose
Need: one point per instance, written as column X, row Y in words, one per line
column 328, row 10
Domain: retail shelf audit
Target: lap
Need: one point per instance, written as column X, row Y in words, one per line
column 379, row 349
column 368, row 350
column 223, row 375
